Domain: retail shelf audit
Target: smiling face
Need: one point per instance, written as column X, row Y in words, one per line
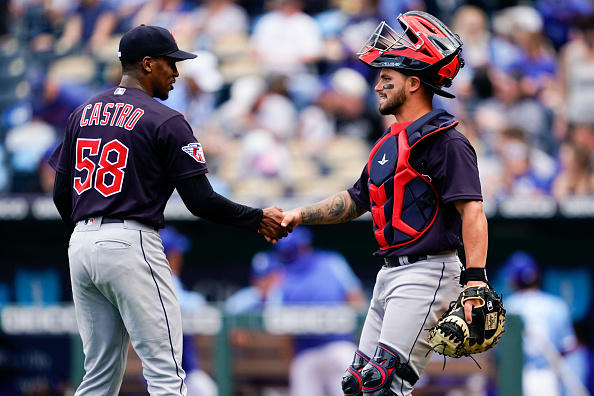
column 163, row 75
column 391, row 99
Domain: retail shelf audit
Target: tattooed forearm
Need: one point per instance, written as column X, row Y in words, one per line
column 338, row 208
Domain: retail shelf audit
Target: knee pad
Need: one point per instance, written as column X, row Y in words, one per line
column 378, row 373
column 351, row 380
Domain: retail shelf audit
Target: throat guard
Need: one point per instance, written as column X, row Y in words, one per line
column 404, row 202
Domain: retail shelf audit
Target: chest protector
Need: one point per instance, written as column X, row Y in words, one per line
column 404, row 203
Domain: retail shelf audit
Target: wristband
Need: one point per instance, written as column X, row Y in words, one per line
column 475, row 274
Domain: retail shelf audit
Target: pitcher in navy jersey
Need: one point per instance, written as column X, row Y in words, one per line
column 421, row 185
column 122, row 156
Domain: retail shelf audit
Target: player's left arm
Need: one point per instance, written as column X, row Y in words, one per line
column 475, row 237
column 338, row 208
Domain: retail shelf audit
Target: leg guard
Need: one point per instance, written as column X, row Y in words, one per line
column 377, row 375
column 351, row 380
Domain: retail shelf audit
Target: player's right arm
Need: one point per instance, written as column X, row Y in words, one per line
column 338, row 208
column 202, row 201
column 63, row 199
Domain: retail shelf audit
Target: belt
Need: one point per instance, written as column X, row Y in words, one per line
column 107, row 220
column 402, row 260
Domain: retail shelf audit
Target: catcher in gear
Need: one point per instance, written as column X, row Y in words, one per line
column 453, row 336
column 422, row 187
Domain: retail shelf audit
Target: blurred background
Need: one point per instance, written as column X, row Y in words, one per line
column 287, row 115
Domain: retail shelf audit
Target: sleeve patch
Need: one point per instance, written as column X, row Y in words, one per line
column 194, row 150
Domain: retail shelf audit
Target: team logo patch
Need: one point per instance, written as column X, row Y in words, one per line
column 194, row 150
column 119, row 91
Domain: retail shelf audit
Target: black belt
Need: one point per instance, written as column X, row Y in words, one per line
column 107, row 220
column 402, row 260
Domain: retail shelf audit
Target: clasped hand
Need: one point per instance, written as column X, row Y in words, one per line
column 270, row 225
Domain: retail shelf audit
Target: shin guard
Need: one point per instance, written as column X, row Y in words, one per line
column 351, row 380
column 377, row 375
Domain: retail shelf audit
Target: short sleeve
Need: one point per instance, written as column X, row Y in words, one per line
column 181, row 154
column 360, row 191
column 459, row 172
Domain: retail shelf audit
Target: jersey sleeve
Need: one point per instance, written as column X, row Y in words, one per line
column 181, row 153
column 458, row 172
column 360, row 192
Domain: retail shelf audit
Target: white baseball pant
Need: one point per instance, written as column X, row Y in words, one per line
column 407, row 301
column 122, row 290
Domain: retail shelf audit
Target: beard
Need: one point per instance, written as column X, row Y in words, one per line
column 393, row 103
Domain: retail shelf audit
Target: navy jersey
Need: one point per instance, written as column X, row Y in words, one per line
column 123, row 152
column 450, row 161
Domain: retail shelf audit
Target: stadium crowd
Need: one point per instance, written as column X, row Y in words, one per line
column 280, row 101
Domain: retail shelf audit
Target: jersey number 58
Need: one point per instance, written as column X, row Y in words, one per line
column 113, row 157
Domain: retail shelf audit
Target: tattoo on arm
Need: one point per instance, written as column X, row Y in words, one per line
column 338, row 208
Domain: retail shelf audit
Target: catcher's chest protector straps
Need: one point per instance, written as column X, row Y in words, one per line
column 404, row 203
column 377, row 375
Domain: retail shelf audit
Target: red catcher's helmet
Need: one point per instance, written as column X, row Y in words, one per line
column 426, row 48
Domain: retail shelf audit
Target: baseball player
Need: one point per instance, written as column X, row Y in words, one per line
column 421, row 185
column 122, row 156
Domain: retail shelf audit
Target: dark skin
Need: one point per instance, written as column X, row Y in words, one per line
column 156, row 76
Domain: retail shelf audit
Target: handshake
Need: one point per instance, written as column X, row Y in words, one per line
column 276, row 224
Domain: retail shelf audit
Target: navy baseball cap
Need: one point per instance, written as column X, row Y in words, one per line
column 150, row 41
column 523, row 269
column 289, row 247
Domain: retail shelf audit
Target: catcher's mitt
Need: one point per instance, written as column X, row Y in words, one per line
column 452, row 336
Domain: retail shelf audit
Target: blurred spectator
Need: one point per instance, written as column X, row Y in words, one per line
column 36, row 23
column 510, row 107
column 234, row 116
column 26, row 145
column 483, row 50
column 197, row 89
column 266, row 275
column 576, row 62
column 125, row 12
column 176, row 245
column 286, row 40
column 548, row 329
column 317, row 277
column 559, row 17
column 174, row 15
column 60, row 91
column 219, row 21
column 389, row 9
column 472, row 25
column 261, row 118
column 536, row 64
column 345, row 27
column 583, row 135
column 518, row 170
column 575, row 177
column 87, row 28
column 581, row 359
column 46, row 174
column 263, row 156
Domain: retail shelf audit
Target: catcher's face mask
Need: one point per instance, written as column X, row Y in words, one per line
column 425, row 48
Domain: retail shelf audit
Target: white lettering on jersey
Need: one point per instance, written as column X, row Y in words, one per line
column 194, row 150
column 109, row 114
